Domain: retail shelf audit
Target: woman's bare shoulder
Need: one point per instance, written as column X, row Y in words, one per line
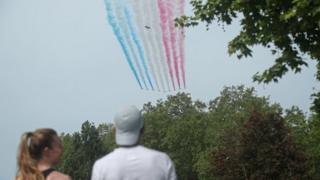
column 56, row 175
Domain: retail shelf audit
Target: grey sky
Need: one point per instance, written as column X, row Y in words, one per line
column 60, row 65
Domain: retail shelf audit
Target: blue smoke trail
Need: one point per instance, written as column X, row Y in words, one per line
column 120, row 39
column 138, row 44
column 123, row 25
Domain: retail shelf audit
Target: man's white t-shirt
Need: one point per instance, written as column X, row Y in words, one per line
column 134, row 163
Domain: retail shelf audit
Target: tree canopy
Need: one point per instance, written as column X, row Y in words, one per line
column 289, row 28
column 81, row 150
column 219, row 139
column 265, row 151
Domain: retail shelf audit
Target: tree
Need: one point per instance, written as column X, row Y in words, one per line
column 189, row 130
column 82, row 149
column 298, row 123
column 312, row 142
column 220, row 139
column 227, row 114
column 107, row 135
column 290, row 28
column 316, row 104
column 266, row 151
column 176, row 126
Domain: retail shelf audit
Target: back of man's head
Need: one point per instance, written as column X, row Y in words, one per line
column 128, row 122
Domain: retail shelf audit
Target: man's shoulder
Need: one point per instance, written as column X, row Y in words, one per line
column 117, row 154
column 154, row 152
column 106, row 158
column 149, row 150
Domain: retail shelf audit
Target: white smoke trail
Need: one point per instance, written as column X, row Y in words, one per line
column 119, row 12
column 139, row 16
column 140, row 21
column 157, row 34
column 151, row 35
column 118, row 33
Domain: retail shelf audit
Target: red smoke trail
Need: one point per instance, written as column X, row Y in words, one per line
column 166, row 42
column 173, row 38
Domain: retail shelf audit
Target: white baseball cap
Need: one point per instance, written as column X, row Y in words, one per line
column 128, row 123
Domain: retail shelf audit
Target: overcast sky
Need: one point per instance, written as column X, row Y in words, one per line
column 60, row 65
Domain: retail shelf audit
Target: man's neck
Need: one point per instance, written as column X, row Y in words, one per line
column 129, row 146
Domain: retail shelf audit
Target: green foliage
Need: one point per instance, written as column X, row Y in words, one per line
column 316, row 103
column 107, row 135
column 190, row 130
column 265, row 151
column 215, row 140
column 230, row 110
column 227, row 113
column 312, row 142
column 289, row 28
column 81, row 150
column 176, row 126
column 297, row 121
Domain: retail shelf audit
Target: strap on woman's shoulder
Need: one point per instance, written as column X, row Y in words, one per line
column 47, row 172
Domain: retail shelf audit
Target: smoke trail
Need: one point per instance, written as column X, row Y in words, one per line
column 157, row 39
column 181, row 4
column 121, row 19
column 140, row 21
column 173, row 35
column 118, row 34
column 138, row 45
column 152, row 37
column 182, row 45
column 165, row 38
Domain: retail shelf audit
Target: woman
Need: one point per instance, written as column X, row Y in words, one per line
column 38, row 152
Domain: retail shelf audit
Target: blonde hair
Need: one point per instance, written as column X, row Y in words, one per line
column 30, row 152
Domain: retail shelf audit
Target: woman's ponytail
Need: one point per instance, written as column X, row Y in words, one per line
column 27, row 166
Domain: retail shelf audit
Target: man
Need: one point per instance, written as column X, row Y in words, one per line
column 131, row 161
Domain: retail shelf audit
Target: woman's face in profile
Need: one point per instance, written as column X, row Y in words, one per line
column 56, row 150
